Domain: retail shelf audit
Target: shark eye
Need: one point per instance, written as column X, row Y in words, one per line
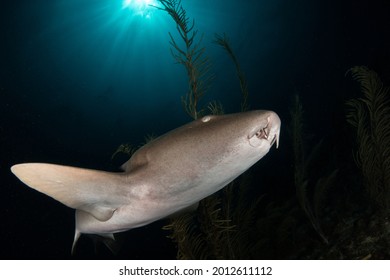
column 206, row 118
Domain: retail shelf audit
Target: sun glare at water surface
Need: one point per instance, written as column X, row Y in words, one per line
column 142, row 8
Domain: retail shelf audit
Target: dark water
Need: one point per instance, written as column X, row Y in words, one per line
column 78, row 78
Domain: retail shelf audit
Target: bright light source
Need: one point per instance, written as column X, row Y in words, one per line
column 142, row 8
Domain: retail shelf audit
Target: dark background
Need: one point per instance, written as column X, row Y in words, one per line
column 78, row 78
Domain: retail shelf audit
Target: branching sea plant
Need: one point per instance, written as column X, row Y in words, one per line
column 191, row 56
column 224, row 42
column 302, row 161
column 125, row 148
column 215, row 108
column 370, row 115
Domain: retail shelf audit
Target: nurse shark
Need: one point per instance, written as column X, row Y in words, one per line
column 167, row 175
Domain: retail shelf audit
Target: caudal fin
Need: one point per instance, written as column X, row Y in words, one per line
column 95, row 192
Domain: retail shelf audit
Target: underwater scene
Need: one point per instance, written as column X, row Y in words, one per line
column 275, row 118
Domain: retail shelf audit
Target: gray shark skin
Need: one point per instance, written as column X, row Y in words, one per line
column 171, row 173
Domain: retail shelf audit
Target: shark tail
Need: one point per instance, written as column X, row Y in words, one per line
column 85, row 190
column 88, row 190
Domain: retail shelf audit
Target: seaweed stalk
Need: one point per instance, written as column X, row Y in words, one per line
column 224, row 42
column 301, row 165
column 192, row 57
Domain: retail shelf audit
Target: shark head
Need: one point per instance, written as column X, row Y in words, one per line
column 168, row 175
column 228, row 145
column 259, row 128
